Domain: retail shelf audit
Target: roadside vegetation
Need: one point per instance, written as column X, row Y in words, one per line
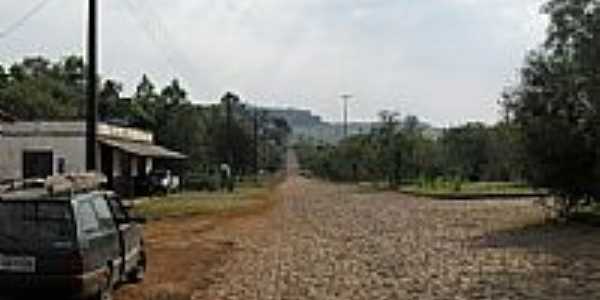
column 407, row 154
column 188, row 204
column 250, row 196
column 463, row 190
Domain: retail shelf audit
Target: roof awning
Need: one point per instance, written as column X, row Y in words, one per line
column 142, row 149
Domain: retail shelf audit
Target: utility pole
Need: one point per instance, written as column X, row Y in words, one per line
column 92, row 105
column 229, row 130
column 229, row 98
column 346, row 97
column 256, row 141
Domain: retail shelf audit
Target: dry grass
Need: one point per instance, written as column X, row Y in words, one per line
column 474, row 188
column 189, row 204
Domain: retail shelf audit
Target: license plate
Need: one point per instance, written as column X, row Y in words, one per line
column 20, row 264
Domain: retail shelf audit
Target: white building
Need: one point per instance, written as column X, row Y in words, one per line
column 41, row 149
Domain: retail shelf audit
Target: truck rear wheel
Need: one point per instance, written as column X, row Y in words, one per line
column 105, row 294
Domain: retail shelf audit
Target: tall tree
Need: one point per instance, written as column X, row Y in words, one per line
column 173, row 94
column 36, row 88
column 557, row 104
column 465, row 151
column 3, row 77
column 143, row 104
column 109, row 101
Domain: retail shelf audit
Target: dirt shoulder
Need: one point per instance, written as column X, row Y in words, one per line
column 183, row 250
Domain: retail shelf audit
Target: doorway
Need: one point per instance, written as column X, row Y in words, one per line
column 38, row 164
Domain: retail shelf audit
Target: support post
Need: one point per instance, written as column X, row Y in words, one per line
column 256, row 142
column 92, row 105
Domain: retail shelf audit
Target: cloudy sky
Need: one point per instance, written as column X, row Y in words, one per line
column 444, row 60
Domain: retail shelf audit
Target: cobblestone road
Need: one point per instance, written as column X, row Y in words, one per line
column 326, row 241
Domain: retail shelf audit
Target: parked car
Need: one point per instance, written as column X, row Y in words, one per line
column 306, row 173
column 163, row 181
column 78, row 245
column 203, row 182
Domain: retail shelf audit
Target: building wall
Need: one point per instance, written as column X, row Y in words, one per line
column 72, row 149
column 66, row 140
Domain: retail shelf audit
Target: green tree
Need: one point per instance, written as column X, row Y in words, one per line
column 389, row 162
column 3, row 77
column 110, row 104
column 143, row 104
column 36, row 88
column 504, row 154
column 556, row 106
column 464, row 151
column 167, row 108
column 173, row 94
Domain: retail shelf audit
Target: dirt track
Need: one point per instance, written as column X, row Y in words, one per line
column 325, row 241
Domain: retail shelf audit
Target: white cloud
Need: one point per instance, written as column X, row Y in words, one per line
column 446, row 60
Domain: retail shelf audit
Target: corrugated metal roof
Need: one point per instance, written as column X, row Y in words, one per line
column 142, row 149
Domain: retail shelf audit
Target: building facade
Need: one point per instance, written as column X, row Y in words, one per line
column 42, row 149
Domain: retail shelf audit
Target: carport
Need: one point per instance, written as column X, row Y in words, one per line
column 126, row 162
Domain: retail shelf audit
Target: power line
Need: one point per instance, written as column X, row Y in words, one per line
column 158, row 33
column 164, row 29
column 146, row 25
column 24, row 19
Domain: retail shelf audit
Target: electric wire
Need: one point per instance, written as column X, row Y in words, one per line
column 158, row 33
column 20, row 22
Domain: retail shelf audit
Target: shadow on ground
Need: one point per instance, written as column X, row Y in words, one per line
column 562, row 260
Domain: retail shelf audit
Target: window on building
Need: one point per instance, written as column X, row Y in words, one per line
column 37, row 164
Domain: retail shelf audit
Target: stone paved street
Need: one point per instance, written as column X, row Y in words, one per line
column 326, row 241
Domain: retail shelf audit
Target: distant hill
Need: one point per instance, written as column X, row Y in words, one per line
column 306, row 125
column 332, row 132
column 296, row 117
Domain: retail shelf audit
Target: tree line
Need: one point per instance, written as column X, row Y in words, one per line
column 228, row 131
column 405, row 151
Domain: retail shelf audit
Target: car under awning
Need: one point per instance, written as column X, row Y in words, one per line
column 142, row 149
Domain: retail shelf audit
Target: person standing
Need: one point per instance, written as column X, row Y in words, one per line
column 226, row 178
